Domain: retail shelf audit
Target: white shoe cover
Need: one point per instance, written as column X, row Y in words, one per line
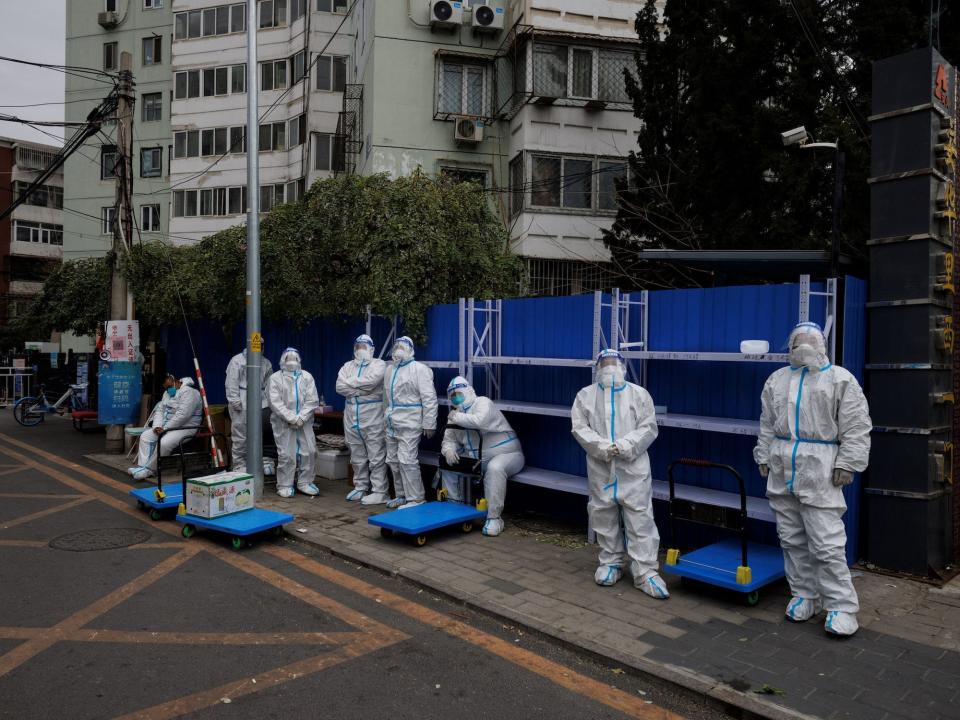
column 375, row 499
column 841, row 623
column 397, row 502
column 802, row 609
column 355, row 494
column 285, row 492
column 411, row 504
column 607, row 575
column 142, row 474
column 308, row 489
column 493, row 527
column 653, row 585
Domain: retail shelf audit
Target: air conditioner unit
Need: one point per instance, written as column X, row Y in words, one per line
column 108, row 20
column 446, row 14
column 488, row 19
column 468, row 130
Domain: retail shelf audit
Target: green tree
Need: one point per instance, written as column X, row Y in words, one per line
column 716, row 82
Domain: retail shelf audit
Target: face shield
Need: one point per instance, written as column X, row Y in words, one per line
column 290, row 360
column 363, row 348
column 807, row 346
column 610, row 369
column 402, row 349
column 460, row 394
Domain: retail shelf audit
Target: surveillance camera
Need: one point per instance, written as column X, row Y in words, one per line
column 797, row 136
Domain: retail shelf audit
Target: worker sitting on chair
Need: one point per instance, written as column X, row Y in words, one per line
column 179, row 418
column 476, row 418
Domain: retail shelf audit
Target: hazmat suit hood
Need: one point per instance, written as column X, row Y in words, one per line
column 808, row 347
column 461, row 385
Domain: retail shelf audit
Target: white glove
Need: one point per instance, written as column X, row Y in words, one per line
column 429, row 433
column 764, row 471
column 841, row 477
column 298, row 422
column 451, row 456
column 611, row 452
column 236, row 407
column 454, row 417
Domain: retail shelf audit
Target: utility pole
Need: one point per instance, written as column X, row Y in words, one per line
column 254, row 338
column 123, row 212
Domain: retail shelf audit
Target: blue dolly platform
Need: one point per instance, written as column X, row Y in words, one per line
column 240, row 525
column 418, row 521
column 147, row 498
column 736, row 565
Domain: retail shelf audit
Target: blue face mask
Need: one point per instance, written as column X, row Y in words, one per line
column 171, row 391
column 458, row 400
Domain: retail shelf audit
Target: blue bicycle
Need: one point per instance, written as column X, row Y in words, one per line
column 31, row 411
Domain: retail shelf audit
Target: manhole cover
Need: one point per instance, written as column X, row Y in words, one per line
column 102, row 539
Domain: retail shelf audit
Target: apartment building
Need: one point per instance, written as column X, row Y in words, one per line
column 97, row 33
column 525, row 97
column 31, row 238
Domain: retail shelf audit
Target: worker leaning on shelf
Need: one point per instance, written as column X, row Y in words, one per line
column 615, row 423
column 175, row 418
column 814, row 435
column 360, row 382
column 477, row 419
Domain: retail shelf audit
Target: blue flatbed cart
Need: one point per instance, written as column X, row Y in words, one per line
column 240, row 526
column 148, row 500
column 417, row 521
column 193, row 460
column 738, row 565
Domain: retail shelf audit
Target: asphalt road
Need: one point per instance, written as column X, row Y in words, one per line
column 128, row 619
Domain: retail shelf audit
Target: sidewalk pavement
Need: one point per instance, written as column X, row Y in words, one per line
column 904, row 662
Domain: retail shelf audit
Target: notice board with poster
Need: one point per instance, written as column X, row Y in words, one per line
column 118, row 393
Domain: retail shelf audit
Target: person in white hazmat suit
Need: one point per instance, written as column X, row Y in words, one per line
column 410, row 399
column 501, row 453
column 236, row 391
column 177, row 417
column 615, row 423
column 293, row 399
column 814, row 435
column 360, row 382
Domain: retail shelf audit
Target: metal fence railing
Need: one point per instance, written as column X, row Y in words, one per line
column 16, row 384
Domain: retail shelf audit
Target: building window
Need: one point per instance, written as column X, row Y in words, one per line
column 41, row 196
column 337, row 6
column 561, row 182
column 273, row 13
column 152, row 47
column 151, row 162
column 238, row 79
column 322, row 146
column 108, row 162
column 463, row 89
column 220, row 20
column 150, row 218
column 152, row 4
column 296, row 131
column 238, row 139
column 273, row 75
column 273, row 136
column 110, row 56
column 210, row 202
column 238, row 18
column 152, row 107
column 582, row 73
column 33, row 232
column 107, row 218
column 209, row 82
column 331, row 73
column 609, row 172
column 297, row 9
column 271, row 196
column 465, row 175
column 212, row 141
column 298, row 67
column 516, row 185
column 296, row 190
column 110, row 5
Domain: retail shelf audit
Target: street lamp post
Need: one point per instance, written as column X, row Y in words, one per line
column 799, row 137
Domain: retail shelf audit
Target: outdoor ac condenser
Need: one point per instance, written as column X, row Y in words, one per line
column 488, row 19
column 468, row 130
column 446, row 14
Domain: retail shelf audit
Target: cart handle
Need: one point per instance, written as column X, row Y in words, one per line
column 692, row 462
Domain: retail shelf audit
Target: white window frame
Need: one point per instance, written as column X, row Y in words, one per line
column 155, row 172
column 103, row 152
column 344, row 4
column 157, row 41
column 478, row 169
column 150, row 218
column 143, row 112
column 152, row 4
column 110, row 5
column 329, row 59
column 463, row 64
column 108, row 218
column 116, row 53
column 317, row 138
column 274, row 4
column 594, row 71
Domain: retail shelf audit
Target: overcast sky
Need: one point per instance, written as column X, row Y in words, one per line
column 32, row 30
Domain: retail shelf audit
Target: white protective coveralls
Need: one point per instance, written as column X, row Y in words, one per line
column 411, row 411
column 236, row 391
column 814, row 434
column 501, row 452
column 615, row 423
column 293, row 398
column 184, row 410
column 360, row 382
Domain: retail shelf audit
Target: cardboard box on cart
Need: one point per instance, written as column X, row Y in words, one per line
column 213, row 496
